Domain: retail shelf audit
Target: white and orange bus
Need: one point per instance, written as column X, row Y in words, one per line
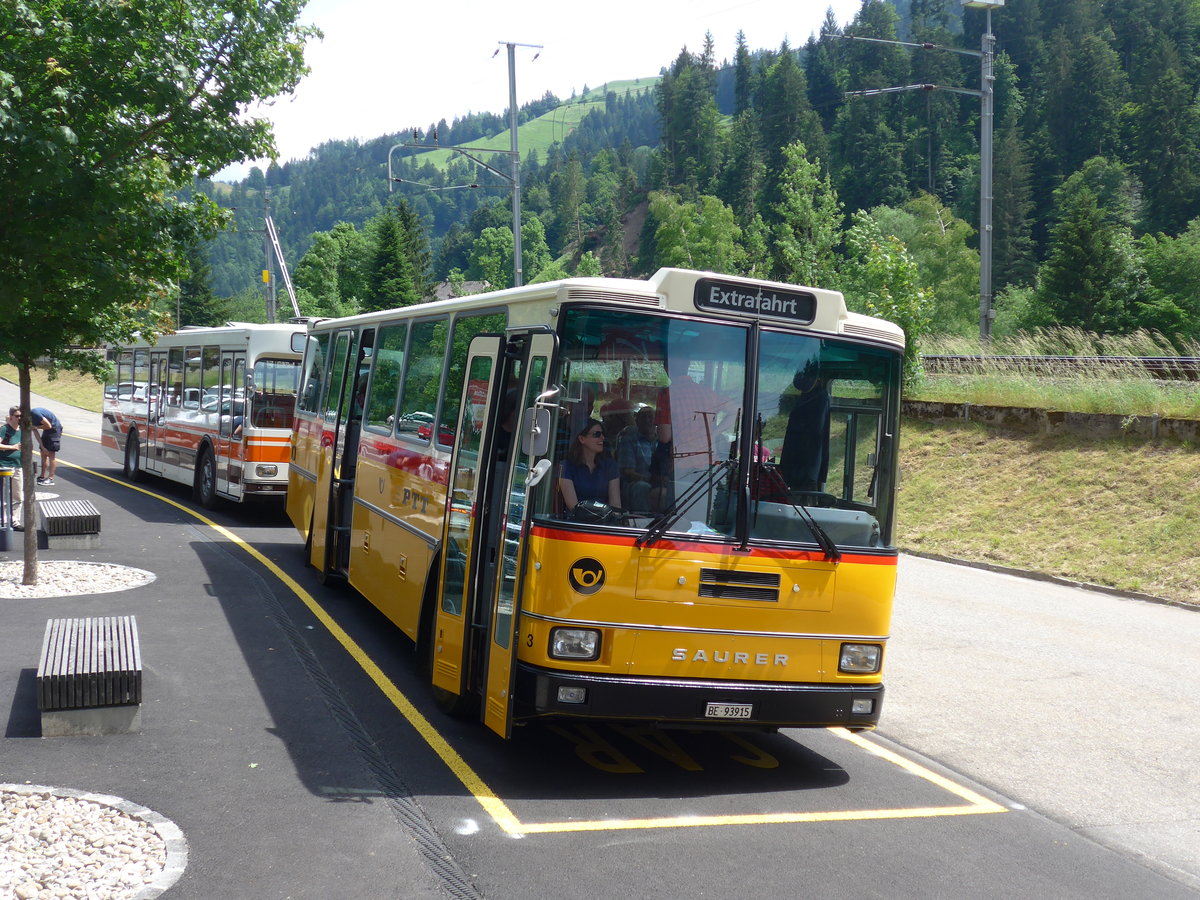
column 668, row 501
column 207, row 407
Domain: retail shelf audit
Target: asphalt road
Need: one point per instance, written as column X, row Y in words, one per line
column 1037, row 740
column 1079, row 704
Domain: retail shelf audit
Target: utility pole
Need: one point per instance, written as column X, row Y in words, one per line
column 986, row 97
column 267, row 275
column 513, row 176
column 518, row 265
column 987, row 80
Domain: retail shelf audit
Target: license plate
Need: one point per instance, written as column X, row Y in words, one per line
column 728, row 710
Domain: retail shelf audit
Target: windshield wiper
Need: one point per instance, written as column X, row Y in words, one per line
column 669, row 516
column 827, row 544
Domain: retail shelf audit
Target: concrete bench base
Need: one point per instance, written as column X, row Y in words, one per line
column 91, row 722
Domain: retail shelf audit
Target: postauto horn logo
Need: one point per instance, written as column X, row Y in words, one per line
column 586, row 575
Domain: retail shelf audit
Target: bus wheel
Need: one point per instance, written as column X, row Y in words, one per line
column 205, row 489
column 133, row 456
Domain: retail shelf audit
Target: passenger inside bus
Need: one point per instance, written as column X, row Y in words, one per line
column 635, row 449
column 589, row 472
column 804, row 459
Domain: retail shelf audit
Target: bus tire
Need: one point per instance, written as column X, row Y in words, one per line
column 133, row 456
column 204, row 489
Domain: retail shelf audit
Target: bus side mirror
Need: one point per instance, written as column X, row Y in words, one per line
column 535, row 432
column 538, row 472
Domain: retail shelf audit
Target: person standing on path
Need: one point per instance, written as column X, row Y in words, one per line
column 10, row 458
column 49, row 432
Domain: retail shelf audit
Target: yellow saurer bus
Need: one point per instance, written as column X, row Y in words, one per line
column 667, row 501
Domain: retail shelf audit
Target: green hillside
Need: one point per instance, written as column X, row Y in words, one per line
column 554, row 127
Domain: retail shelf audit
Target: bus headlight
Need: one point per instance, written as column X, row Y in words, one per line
column 266, row 471
column 574, row 643
column 860, row 659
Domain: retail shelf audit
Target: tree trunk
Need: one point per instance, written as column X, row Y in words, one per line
column 28, row 516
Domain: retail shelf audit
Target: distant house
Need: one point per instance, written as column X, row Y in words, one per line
column 445, row 290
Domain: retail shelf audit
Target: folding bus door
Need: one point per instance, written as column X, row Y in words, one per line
column 231, row 409
column 342, row 414
column 507, row 538
column 153, row 452
column 461, row 545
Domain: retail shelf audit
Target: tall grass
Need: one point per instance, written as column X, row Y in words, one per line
column 1111, row 381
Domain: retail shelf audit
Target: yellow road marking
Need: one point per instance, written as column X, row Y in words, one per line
column 498, row 809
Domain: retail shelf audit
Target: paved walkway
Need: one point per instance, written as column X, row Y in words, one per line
column 240, row 747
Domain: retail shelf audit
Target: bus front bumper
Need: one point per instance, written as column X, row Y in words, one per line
column 695, row 703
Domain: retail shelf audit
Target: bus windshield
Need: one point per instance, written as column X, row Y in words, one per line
column 722, row 431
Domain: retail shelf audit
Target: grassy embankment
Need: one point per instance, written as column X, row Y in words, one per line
column 1120, row 513
column 69, row 387
column 1116, row 512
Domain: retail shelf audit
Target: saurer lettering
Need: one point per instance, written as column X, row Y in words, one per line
column 738, row 658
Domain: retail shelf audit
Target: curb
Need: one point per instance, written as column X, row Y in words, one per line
column 1054, row 579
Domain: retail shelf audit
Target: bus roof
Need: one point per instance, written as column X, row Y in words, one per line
column 683, row 291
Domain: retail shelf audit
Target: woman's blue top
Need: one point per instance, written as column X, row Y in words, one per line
column 591, row 484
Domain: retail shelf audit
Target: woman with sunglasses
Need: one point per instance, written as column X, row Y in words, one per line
column 588, row 472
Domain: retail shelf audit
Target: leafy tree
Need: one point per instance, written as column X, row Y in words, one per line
column 948, row 268
column 880, row 278
column 317, row 272
column 589, row 266
column 1172, row 302
column 535, row 252
column 808, row 217
column 492, row 258
column 107, row 111
column 695, row 235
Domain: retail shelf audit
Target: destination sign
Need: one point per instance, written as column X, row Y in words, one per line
column 723, row 296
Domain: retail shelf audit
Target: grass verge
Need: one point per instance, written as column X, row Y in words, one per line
column 69, row 387
column 1109, row 512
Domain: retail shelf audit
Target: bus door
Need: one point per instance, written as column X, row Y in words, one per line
column 154, row 452
column 476, row 617
column 465, row 502
column 343, row 409
column 231, row 413
column 506, row 537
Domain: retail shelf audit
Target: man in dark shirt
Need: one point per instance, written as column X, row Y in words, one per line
column 49, row 431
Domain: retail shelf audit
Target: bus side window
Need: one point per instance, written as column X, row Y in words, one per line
column 465, row 328
column 422, row 379
column 388, row 366
column 314, row 372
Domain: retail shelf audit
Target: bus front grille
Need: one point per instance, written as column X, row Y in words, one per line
column 733, row 584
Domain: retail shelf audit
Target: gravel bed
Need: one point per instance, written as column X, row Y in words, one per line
column 67, row 578
column 66, row 845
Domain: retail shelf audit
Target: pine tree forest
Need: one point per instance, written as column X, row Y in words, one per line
column 844, row 163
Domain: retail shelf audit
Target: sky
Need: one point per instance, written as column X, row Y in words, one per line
column 388, row 65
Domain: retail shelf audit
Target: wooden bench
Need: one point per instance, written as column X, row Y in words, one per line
column 89, row 677
column 69, row 524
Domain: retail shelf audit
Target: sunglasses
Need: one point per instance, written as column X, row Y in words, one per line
column 595, row 434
